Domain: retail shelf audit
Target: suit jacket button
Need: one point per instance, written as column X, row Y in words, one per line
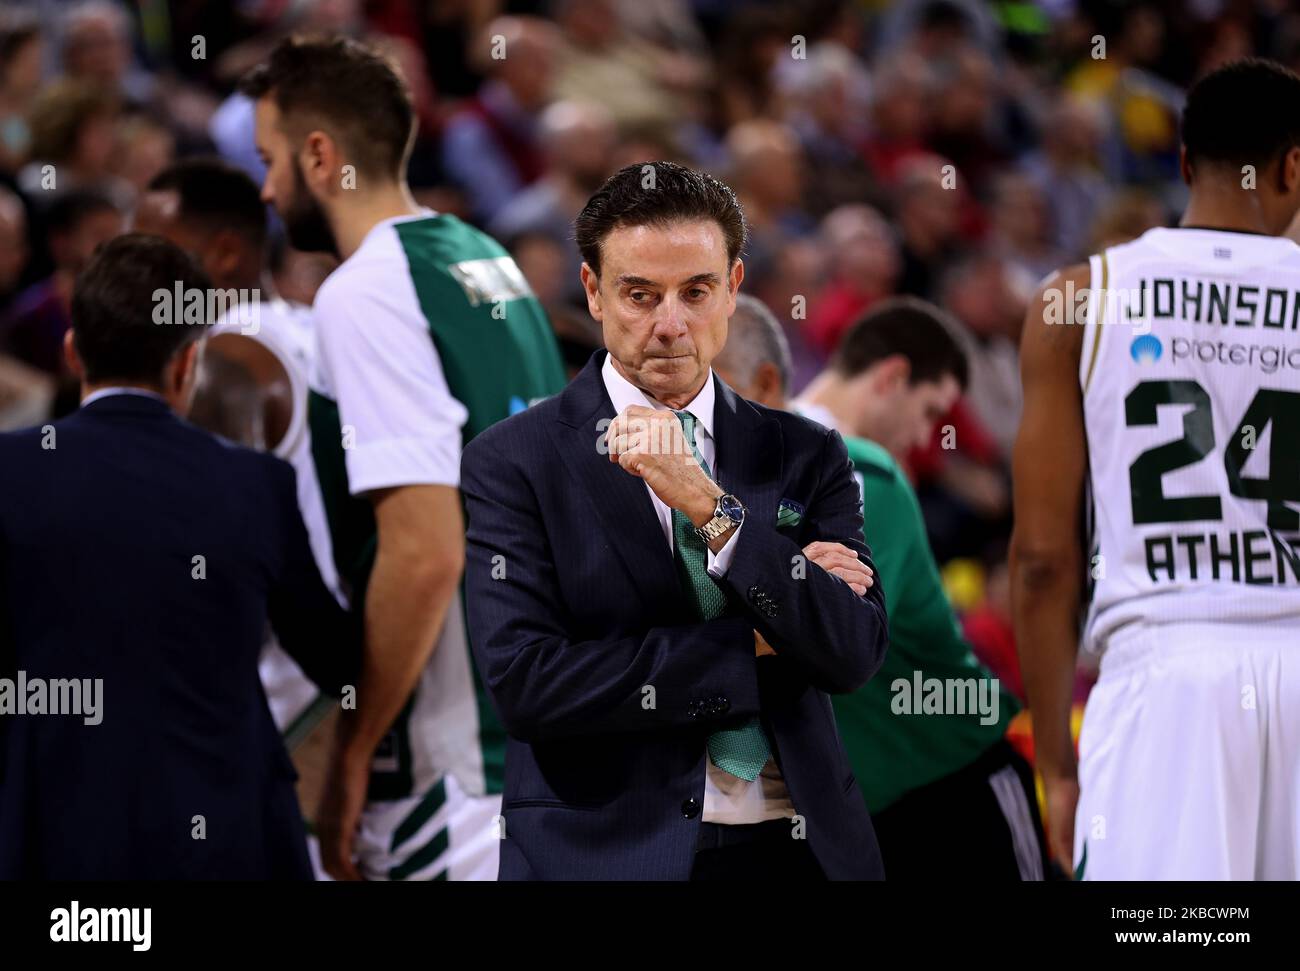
column 769, row 609
column 755, row 595
column 691, row 808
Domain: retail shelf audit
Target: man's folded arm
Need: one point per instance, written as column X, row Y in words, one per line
column 545, row 684
column 810, row 617
column 323, row 637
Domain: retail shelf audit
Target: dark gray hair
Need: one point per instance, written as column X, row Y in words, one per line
column 754, row 336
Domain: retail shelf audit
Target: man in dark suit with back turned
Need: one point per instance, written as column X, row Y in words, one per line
column 142, row 557
column 666, row 581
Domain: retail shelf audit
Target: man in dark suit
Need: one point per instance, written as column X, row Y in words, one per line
column 140, row 559
column 666, row 581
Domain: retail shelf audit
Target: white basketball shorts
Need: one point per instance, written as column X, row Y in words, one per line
column 1189, row 757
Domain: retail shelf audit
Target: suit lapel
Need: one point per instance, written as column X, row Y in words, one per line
column 620, row 500
column 749, row 454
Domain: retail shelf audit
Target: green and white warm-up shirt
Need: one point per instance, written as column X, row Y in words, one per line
column 426, row 335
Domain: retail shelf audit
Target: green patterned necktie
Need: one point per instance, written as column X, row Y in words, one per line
column 741, row 751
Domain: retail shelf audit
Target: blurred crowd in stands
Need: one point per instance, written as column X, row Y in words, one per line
column 958, row 151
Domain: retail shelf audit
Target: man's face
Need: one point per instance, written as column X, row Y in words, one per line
column 907, row 418
column 284, row 186
column 663, row 298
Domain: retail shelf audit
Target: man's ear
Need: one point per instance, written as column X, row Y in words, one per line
column 1184, row 166
column 891, row 374
column 322, row 165
column 733, row 284
column 591, row 285
column 181, row 381
column 767, row 385
column 71, row 356
column 224, row 254
column 1289, row 171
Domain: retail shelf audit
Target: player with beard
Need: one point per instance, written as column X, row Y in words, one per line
column 425, row 335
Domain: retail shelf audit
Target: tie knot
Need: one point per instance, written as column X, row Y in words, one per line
column 688, row 426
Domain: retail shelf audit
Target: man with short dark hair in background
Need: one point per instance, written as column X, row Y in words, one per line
column 948, row 796
column 140, row 560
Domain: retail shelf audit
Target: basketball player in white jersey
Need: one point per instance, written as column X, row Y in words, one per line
column 253, row 379
column 1157, row 492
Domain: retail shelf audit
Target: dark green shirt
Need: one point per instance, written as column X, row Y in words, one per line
column 920, row 717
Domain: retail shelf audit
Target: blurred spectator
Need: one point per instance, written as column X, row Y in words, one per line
column 74, row 130
column 21, row 52
column 32, row 331
column 1129, row 214
column 753, row 43
column 641, row 142
column 578, row 139
column 900, row 116
column 827, row 96
column 962, row 116
column 1066, row 172
column 988, row 297
column 934, row 29
column 668, row 24
column 790, row 290
column 1141, row 142
column 231, row 130
column 452, row 29
column 145, row 148
column 928, row 218
column 425, row 166
column 95, row 44
column 491, row 147
column 636, row 81
column 864, row 261
column 1020, row 229
column 767, row 175
column 962, row 474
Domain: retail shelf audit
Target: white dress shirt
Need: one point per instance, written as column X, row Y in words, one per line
column 817, row 413
column 727, row 798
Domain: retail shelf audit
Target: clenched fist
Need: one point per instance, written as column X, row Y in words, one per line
column 650, row 444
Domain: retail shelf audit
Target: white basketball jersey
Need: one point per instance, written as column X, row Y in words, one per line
column 285, row 330
column 1190, row 372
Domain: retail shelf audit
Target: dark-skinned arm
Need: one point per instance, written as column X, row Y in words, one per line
column 1046, row 556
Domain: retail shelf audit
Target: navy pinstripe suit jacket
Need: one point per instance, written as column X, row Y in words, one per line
column 97, row 581
column 576, row 611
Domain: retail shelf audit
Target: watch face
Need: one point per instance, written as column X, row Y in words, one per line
column 730, row 507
